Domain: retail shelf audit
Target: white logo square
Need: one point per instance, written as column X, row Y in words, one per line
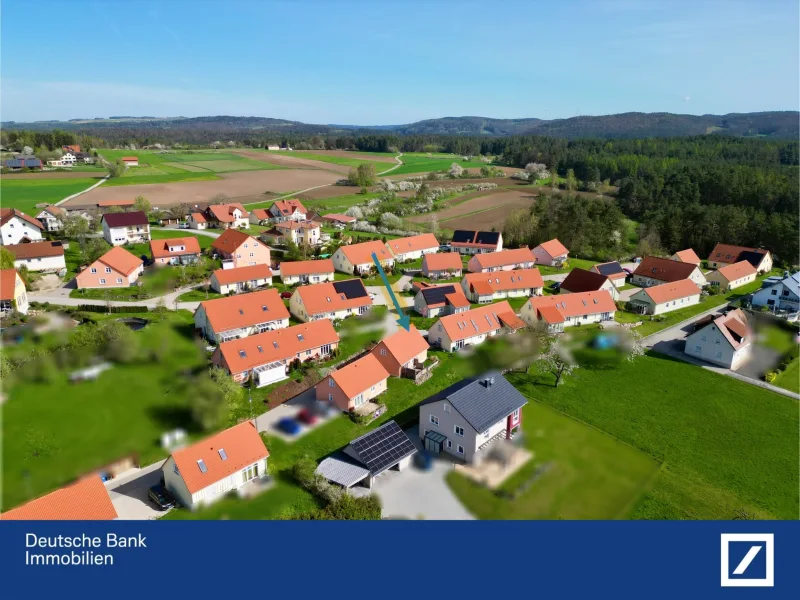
column 768, row 541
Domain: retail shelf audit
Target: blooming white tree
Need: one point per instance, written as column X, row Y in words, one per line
column 557, row 362
column 455, row 170
column 355, row 211
column 390, row 220
column 27, row 150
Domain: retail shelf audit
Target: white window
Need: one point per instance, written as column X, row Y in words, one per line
column 255, row 245
column 250, row 472
column 460, row 449
column 94, row 270
column 102, row 282
column 372, row 389
column 252, row 255
column 459, row 430
column 245, row 245
column 515, row 415
column 119, row 279
column 447, row 408
column 383, row 351
column 449, row 445
column 435, row 420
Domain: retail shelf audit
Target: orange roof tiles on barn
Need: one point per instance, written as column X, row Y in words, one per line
column 359, row 375
column 414, row 243
column 224, row 212
column 161, row 248
column 501, row 281
column 231, row 240
column 8, row 281
column 674, row 290
column 573, row 305
column 359, row 254
column 86, row 500
column 306, row 267
column 688, row 256
column 242, row 445
column 481, row 320
column 130, row 158
column 276, row 345
column 249, row 273
column 245, row 310
column 504, row 257
column 554, row 247
column 443, row 261
column 121, row 260
column 339, row 218
column 664, row 269
column 737, row 270
column 6, row 214
column 323, row 297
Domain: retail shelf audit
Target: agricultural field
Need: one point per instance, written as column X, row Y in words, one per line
column 341, row 157
column 419, row 162
column 487, row 210
column 25, row 194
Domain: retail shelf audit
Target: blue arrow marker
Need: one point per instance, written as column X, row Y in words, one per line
column 404, row 321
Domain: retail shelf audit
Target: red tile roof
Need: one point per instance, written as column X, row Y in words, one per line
column 287, row 207
column 6, row 214
column 306, row 267
column 36, row 250
column 161, row 248
column 414, row 243
column 338, row 217
column 572, row 305
column 359, row 375
column 120, row 260
column 199, row 217
column 504, row 257
column 8, row 281
column 737, row 270
column 249, row 273
column 404, row 344
column 292, row 225
column 360, row 254
column 443, row 261
column 481, row 320
column 231, row 240
column 242, row 445
column 277, row 345
column 688, row 256
column 727, row 253
column 323, row 298
column 674, row 290
column 224, row 212
column 261, row 214
column 501, row 281
column 86, row 500
column 130, row 158
column 126, row 219
column 554, row 248
column 664, row 269
column 245, row 310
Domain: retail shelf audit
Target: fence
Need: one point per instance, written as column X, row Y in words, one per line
column 100, row 308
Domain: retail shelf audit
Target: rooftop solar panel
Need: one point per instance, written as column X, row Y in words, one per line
column 488, row 237
column 610, row 268
column 351, row 288
column 436, row 295
column 463, row 236
column 383, row 448
column 754, row 258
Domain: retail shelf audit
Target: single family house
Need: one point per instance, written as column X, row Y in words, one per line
column 413, row 247
column 687, row 256
column 17, row 227
column 613, row 270
column 505, row 260
column 473, row 327
column 13, row 296
column 52, row 218
column 226, row 319
column 240, row 279
column 125, row 228
column 116, row 268
column 488, row 287
column 442, row 265
column 237, row 249
column 287, row 210
column 306, row 271
column 732, row 276
column 175, row 251
column 476, row 242
column 40, row 256
column 724, row 340
column 654, row 270
column 552, row 253
column 581, row 280
column 85, row 500
column 354, row 386
column 440, row 300
column 665, row 298
column 301, row 233
column 779, row 294
column 227, row 216
column 197, row 220
column 357, row 258
column 333, row 300
column 726, row 254
column 569, row 310
column 402, row 352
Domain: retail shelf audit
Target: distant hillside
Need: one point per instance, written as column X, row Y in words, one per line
column 774, row 124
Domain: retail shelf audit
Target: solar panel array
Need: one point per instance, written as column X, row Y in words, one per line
column 488, row 237
column 436, row 295
column 462, row 236
column 351, row 288
column 383, row 448
column 754, row 258
column 610, row 268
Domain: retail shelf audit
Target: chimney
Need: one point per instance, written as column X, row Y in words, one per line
column 488, row 382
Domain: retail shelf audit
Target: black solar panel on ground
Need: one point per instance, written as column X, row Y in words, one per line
column 351, row 288
column 610, row 269
column 435, row 295
column 488, row 237
column 754, row 258
column 462, row 236
column 383, row 448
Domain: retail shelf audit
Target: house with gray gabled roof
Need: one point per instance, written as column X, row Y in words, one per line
column 467, row 417
column 779, row 294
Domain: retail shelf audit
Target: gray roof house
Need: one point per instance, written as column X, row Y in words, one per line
column 780, row 294
column 466, row 418
column 367, row 457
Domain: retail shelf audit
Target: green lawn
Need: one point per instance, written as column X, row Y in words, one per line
column 584, row 474
column 726, row 445
column 574, row 263
column 55, row 432
column 789, row 378
column 25, row 194
column 418, row 162
column 198, row 296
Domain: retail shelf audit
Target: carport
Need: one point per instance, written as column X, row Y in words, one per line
column 339, row 469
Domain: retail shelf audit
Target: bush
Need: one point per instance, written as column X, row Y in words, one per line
column 771, row 376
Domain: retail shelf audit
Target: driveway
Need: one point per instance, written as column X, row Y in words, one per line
column 268, row 422
column 414, row 494
column 129, row 493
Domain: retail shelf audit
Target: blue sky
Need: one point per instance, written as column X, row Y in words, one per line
column 386, row 62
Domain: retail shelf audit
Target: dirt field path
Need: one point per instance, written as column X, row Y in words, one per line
column 399, row 164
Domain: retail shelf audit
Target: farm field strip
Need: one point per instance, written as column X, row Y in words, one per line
column 26, row 194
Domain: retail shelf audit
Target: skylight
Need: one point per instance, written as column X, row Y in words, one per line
column 242, row 353
column 300, row 336
column 275, row 344
column 264, row 308
column 202, row 466
column 222, row 454
column 260, row 349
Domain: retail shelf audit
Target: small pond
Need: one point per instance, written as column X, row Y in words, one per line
column 134, row 323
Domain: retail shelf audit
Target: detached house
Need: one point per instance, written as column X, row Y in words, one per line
column 581, row 280
column 488, row 287
column 17, row 227
column 725, row 254
column 733, row 276
column 442, row 265
column 506, row 260
column 130, row 161
column 569, row 310
column 237, row 249
column 473, row 327
column 266, row 357
column 665, row 298
column 333, row 300
column 126, row 228
column 175, row 251
column 357, row 259
column 780, row 294
column 260, row 216
column 465, row 419
column 340, row 221
column 725, row 340
column 240, row 279
column 612, row 270
column 687, row 256
column 52, row 218
column 656, row 271
column 41, row 256
column 116, row 268
column 225, row 319
column 414, row 247
column 226, row 216
column 403, row 350
column 85, row 500
column 13, row 296
column 208, row 470
column 302, row 233
column 440, row 300
column 287, row 210
column 306, row 271
column 354, row 386
column 552, row 253
column 197, row 220
column 476, row 242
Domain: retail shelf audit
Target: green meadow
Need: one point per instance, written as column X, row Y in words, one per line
column 25, row 194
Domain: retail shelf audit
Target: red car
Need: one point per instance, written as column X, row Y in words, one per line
column 286, row 295
column 307, row 417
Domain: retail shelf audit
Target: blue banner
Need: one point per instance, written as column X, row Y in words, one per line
column 401, row 559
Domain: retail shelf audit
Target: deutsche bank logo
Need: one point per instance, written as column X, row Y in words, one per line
column 748, row 559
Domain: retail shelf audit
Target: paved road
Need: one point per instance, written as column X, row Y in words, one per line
column 129, row 493
column 60, row 296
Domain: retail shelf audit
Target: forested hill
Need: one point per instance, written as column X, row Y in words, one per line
column 775, row 124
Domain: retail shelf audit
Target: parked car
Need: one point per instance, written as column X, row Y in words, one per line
column 307, row 417
column 289, row 425
column 159, row 496
column 555, row 285
column 423, row 460
column 286, row 295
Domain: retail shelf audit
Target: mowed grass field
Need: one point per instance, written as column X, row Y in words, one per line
column 25, row 194
column 358, row 158
column 419, row 162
